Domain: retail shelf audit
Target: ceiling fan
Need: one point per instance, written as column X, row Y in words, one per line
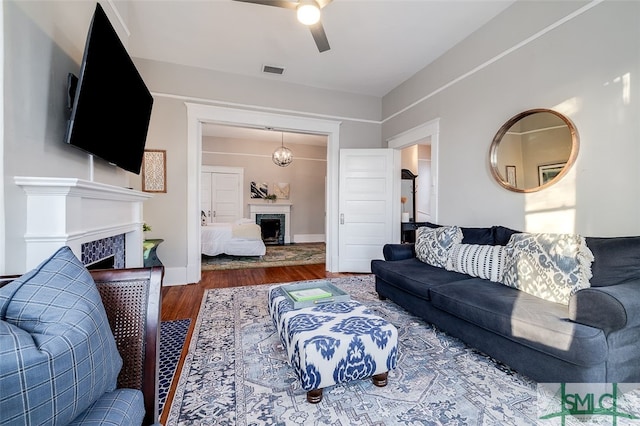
column 308, row 12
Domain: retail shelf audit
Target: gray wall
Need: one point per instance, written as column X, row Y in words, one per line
column 43, row 41
column 580, row 67
column 586, row 67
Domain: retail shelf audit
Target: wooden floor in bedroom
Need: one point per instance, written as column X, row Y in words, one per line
column 183, row 301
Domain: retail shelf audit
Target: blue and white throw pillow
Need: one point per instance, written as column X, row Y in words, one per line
column 483, row 261
column 550, row 266
column 57, row 352
column 433, row 244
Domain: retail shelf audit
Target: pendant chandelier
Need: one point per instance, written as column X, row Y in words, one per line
column 283, row 155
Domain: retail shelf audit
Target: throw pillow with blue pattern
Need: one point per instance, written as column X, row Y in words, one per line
column 57, row 352
column 433, row 244
column 549, row 266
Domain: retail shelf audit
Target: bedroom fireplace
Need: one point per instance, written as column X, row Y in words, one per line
column 271, row 228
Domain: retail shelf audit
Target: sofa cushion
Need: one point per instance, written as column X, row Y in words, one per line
column 414, row 276
column 57, row 352
column 120, row 407
column 433, row 244
column 483, row 261
column 482, row 236
column 550, row 266
column 523, row 318
column 502, row 235
column 471, row 235
column 615, row 261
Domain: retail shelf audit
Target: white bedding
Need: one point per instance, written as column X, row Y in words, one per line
column 241, row 238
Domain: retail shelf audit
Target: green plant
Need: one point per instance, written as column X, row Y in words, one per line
column 146, row 227
column 271, row 197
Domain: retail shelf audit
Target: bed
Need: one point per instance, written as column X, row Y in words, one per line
column 240, row 238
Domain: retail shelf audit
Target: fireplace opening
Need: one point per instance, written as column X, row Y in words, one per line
column 270, row 230
column 106, row 263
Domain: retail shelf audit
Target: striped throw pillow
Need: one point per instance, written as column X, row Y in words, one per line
column 481, row 261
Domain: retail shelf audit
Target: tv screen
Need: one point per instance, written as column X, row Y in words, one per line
column 111, row 105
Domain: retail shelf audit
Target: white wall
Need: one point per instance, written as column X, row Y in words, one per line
column 582, row 62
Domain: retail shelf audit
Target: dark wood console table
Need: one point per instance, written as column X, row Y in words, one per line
column 408, row 231
column 150, row 256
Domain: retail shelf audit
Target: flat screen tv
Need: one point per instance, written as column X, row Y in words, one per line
column 110, row 104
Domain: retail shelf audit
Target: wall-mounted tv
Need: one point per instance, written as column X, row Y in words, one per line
column 110, row 104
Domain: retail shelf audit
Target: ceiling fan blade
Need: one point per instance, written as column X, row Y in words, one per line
column 277, row 3
column 323, row 3
column 320, row 37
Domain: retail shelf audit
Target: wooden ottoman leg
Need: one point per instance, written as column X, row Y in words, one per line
column 380, row 380
column 314, row 396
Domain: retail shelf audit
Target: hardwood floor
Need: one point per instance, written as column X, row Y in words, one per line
column 179, row 302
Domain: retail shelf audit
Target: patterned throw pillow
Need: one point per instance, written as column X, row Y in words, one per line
column 433, row 244
column 550, row 266
column 57, row 352
column 481, row 261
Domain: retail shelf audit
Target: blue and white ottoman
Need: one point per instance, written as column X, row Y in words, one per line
column 334, row 342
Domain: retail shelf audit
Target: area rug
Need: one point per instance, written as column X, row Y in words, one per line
column 172, row 337
column 236, row 373
column 285, row 255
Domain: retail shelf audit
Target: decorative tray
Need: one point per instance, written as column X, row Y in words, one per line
column 313, row 293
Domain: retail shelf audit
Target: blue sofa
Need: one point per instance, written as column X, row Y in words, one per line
column 59, row 360
column 593, row 339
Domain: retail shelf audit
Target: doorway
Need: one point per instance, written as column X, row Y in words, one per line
column 424, row 134
column 197, row 114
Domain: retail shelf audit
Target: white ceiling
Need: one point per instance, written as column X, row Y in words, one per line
column 375, row 44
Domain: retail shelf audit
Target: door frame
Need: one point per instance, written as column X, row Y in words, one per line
column 197, row 114
column 429, row 130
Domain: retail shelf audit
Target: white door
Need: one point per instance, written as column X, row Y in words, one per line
column 221, row 196
column 225, row 195
column 205, row 197
column 369, row 218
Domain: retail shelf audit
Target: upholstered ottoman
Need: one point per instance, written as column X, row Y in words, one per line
column 333, row 343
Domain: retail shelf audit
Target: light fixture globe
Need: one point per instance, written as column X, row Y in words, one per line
column 283, row 155
column 308, row 12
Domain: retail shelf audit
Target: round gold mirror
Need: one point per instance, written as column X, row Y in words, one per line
column 533, row 150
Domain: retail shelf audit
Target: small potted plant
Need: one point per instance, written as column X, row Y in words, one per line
column 271, row 198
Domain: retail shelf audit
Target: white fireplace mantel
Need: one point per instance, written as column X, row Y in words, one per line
column 69, row 211
column 280, row 207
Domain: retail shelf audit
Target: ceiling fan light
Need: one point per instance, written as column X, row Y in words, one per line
column 308, row 13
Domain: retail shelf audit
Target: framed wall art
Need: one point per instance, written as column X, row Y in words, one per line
column 154, row 170
column 511, row 175
column 548, row 172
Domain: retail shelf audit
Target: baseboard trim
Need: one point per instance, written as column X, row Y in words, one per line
column 175, row 276
column 308, row 238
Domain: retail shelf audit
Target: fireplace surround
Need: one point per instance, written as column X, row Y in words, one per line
column 281, row 208
column 74, row 212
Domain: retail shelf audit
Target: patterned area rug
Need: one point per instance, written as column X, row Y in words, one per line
column 236, row 373
column 286, row 255
column 172, row 337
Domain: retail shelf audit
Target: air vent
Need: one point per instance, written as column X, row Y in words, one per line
column 270, row 69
